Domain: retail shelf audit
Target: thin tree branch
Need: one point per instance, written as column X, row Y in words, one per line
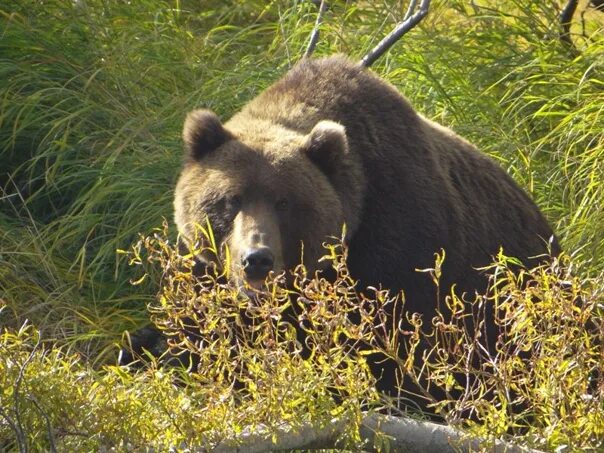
column 410, row 9
column 16, row 394
column 314, row 36
column 598, row 4
column 17, row 430
column 51, row 437
column 566, row 18
column 410, row 21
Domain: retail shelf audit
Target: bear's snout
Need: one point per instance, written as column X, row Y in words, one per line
column 257, row 263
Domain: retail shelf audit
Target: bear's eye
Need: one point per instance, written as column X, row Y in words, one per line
column 233, row 203
column 282, row 204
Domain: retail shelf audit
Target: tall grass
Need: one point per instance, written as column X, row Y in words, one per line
column 93, row 95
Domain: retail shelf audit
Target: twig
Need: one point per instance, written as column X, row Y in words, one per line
column 410, row 9
column 51, row 437
column 21, row 434
column 18, row 432
column 598, row 4
column 566, row 17
column 314, row 36
column 410, row 21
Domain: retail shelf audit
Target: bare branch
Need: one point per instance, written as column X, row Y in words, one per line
column 314, row 36
column 410, row 9
column 410, row 21
column 400, row 433
column 566, row 17
column 51, row 437
column 598, row 4
column 21, row 438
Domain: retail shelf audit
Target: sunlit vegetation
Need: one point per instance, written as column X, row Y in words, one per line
column 93, row 95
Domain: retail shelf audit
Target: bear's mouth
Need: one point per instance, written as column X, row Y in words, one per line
column 251, row 287
column 255, row 285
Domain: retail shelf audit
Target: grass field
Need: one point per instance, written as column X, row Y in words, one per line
column 93, row 95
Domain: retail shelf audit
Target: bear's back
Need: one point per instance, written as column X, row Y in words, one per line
column 426, row 188
column 332, row 88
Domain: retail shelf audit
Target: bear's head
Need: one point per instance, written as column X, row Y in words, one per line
column 272, row 195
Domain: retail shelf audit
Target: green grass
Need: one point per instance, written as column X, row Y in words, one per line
column 93, row 95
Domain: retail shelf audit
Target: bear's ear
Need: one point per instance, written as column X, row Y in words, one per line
column 326, row 144
column 203, row 133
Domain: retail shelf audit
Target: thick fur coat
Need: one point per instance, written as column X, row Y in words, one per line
column 335, row 144
column 332, row 144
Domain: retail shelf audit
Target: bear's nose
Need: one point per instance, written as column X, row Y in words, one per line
column 257, row 263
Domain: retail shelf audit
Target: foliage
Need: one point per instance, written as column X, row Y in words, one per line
column 251, row 371
column 93, row 97
column 52, row 400
column 545, row 376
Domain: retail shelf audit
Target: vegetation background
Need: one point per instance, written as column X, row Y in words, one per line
column 93, row 95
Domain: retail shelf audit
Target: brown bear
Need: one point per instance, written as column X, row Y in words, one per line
column 331, row 144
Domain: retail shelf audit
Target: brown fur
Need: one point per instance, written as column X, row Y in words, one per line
column 405, row 186
column 340, row 145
